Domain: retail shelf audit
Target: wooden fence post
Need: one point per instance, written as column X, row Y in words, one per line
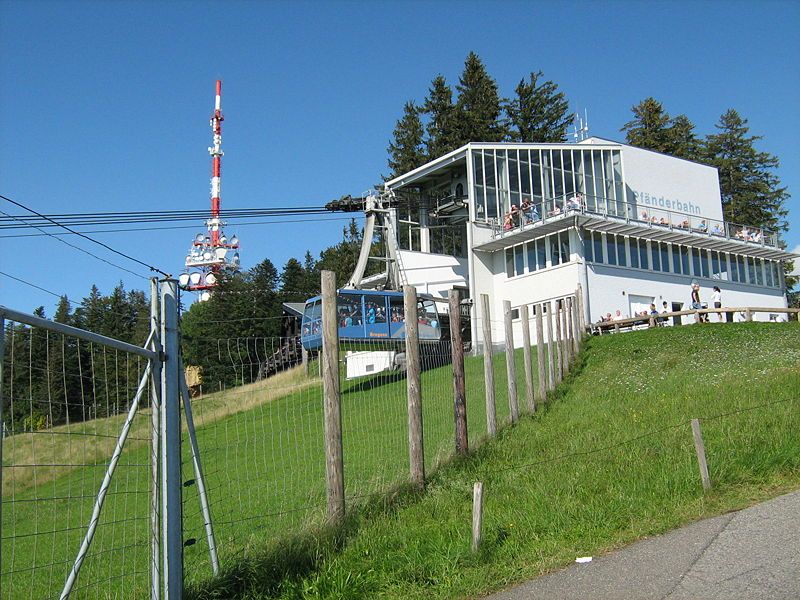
column 488, row 367
column 581, row 312
column 334, row 457
column 551, row 350
column 459, row 388
column 540, row 350
column 416, row 452
column 477, row 515
column 511, row 363
column 559, row 345
column 524, row 318
column 567, row 309
column 748, row 315
column 700, row 449
column 576, row 329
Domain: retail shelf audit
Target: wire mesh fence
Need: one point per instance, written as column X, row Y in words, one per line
column 261, row 443
column 65, row 402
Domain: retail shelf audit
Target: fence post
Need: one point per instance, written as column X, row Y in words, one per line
column 526, row 354
column 581, row 312
column 334, row 457
column 559, row 344
column 748, row 315
column 700, row 449
column 540, row 350
column 566, row 305
column 488, row 367
column 511, row 364
column 416, row 453
column 477, row 515
column 459, row 388
column 171, row 483
column 551, row 351
column 155, row 433
column 576, row 330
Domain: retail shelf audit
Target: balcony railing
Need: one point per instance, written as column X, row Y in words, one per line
column 534, row 214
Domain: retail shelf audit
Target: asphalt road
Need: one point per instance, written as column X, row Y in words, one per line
column 749, row 555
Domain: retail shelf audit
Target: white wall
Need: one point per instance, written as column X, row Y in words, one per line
column 607, row 284
column 660, row 181
column 434, row 274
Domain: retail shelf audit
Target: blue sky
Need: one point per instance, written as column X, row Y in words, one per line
column 105, row 105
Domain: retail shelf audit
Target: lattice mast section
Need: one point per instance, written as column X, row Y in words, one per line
column 210, row 252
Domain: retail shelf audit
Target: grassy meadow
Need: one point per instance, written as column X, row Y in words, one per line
column 561, row 483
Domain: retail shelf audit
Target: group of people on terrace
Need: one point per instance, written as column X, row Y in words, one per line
column 519, row 216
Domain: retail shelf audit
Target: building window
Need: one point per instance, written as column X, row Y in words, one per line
column 563, row 238
column 588, row 247
column 555, row 255
column 509, row 262
column 622, row 258
column 676, row 259
column 408, row 228
column 541, row 254
column 611, row 249
column 597, row 238
column 519, row 260
column 655, row 256
column 704, row 263
column 768, row 273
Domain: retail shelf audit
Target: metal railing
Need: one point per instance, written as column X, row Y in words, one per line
column 533, row 214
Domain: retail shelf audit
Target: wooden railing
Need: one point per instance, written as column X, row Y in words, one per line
column 655, row 320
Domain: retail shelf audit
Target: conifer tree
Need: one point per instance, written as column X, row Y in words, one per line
column 538, row 112
column 478, row 107
column 406, row 149
column 649, row 128
column 441, row 126
column 751, row 191
column 683, row 142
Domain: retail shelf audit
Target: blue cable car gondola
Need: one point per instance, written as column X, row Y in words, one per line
column 369, row 315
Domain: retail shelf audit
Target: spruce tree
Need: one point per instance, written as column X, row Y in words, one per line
column 406, row 151
column 538, row 112
column 649, row 128
column 751, row 191
column 683, row 142
column 441, row 125
column 478, row 107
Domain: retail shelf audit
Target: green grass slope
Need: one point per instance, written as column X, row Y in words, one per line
column 609, row 460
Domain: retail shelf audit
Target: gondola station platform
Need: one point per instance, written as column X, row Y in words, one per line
column 531, row 223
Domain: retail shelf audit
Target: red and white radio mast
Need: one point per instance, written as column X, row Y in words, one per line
column 209, row 252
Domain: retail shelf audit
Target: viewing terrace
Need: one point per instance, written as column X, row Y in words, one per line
column 535, row 219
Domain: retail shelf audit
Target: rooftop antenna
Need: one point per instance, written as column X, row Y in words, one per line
column 580, row 126
column 208, row 255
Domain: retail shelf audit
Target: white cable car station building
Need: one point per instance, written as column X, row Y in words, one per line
column 529, row 222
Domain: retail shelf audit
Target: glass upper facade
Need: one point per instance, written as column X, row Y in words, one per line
column 545, row 177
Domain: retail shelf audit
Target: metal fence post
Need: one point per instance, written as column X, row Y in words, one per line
column 459, row 388
column 155, row 437
column 171, row 481
column 488, row 367
column 334, row 454
column 511, row 365
column 416, row 452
